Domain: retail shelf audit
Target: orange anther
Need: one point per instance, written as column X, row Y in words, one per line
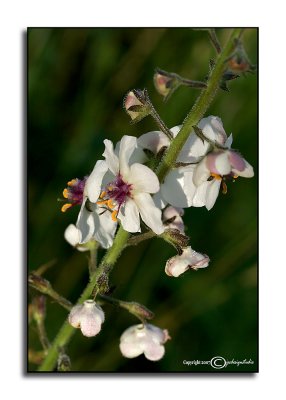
column 65, row 193
column 224, row 188
column 216, row 176
column 65, row 207
column 72, row 182
column 101, row 202
column 114, row 215
column 102, row 194
column 110, row 204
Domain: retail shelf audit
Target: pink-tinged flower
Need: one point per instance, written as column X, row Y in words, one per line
column 189, row 259
column 177, row 189
column 172, row 218
column 144, row 339
column 88, row 317
column 212, row 173
column 122, row 189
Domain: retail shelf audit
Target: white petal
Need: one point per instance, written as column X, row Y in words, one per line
column 86, row 223
column 110, row 157
column 90, row 324
column 72, row 235
column 154, row 351
column 129, row 216
column 222, row 163
column 212, row 128
column 159, row 201
column 150, row 214
column 75, row 316
column 127, row 147
column 153, row 141
column 130, row 350
column 200, row 197
column 176, row 129
column 201, row 173
column 94, row 181
column 143, row 179
column 105, row 230
column 229, row 141
column 246, row 173
column 174, row 191
column 212, row 193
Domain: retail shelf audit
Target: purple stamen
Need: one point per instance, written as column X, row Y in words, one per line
column 118, row 190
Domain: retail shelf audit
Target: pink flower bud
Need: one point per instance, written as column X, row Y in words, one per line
column 163, row 83
column 147, row 339
column 135, row 104
column 177, row 265
column 88, row 317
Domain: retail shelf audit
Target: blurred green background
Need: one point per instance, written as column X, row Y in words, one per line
column 77, row 79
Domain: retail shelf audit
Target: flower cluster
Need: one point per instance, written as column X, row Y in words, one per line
column 123, row 190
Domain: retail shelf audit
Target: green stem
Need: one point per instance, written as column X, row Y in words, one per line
column 67, row 331
column 199, row 108
column 121, row 238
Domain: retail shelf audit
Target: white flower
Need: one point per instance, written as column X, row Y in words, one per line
column 124, row 188
column 172, row 218
column 177, row 265
column 88, row 317
column 177, row 189
column 147, row 339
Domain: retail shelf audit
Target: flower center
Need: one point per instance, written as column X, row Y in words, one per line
column 114, row 195
column 74, row 193
column 218, row 177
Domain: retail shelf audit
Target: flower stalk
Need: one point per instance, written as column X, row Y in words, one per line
column 121, row 238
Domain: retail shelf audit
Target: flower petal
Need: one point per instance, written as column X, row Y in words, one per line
column 127, row 146
column 130, row 349
column 72, row 235
column 218, row 162
column 174, row 191
column 153, row 141
column 159, row 201
column 150, row 214
column 110, row 157
column 201, row 173
column 153, row 351
column 129, row 216
column 93, row 183
column 86, row 223
column 212, row 193
column 90, row 324
column 246, row 173
column 143, row 179
column 105, row 230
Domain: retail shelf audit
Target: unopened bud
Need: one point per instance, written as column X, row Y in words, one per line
column 165, row 83
column 136, row 105
column 88, row 317
column 239, row 61
column 189, row 259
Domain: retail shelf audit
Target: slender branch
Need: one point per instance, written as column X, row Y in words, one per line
column 92, row 262
column 214, row 40
column 134, row 240
column 122, row 237
column 199, row 108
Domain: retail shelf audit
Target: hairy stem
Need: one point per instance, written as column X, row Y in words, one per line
column 199, row 108
column 120, row 241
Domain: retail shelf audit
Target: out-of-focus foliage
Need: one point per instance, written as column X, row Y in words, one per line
column 77, row 79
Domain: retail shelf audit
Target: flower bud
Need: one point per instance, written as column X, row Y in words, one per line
column 144, row 339
column 239, row 61
column 39, row 308
column 172, row 218
column 136, row 105
column 165, row 83
column 177, row 265
column 88, row 317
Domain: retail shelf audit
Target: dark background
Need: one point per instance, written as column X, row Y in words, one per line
column 77, row 79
